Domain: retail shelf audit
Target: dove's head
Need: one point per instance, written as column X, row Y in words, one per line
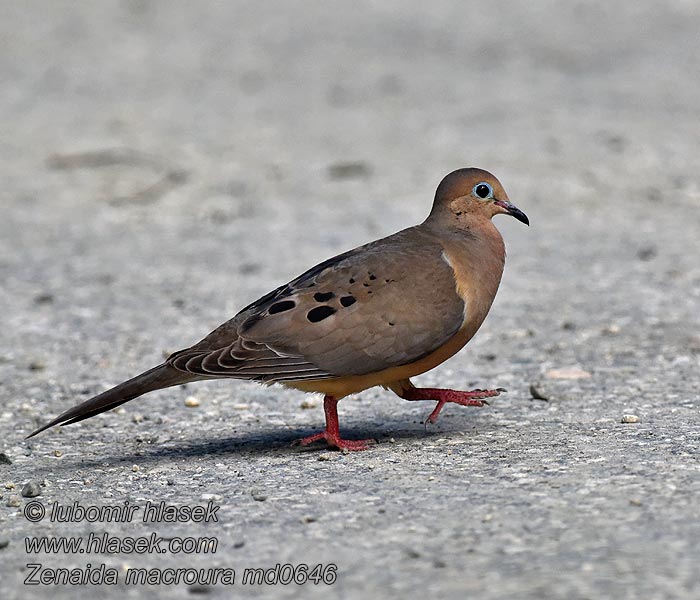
column 470, row 195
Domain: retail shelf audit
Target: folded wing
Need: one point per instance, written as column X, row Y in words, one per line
column 360, row 312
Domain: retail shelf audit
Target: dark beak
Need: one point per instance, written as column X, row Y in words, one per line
column 513, row 211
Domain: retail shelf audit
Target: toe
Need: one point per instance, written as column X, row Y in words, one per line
column 309, row 439
column 351, row 445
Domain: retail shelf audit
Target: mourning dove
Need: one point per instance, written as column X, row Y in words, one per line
column 373, row 316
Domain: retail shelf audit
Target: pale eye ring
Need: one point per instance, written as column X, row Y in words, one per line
column 483, row 190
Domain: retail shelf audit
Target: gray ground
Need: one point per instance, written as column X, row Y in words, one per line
column 165, row 163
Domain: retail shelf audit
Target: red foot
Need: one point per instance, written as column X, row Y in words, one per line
column 472, row 398
column 332, row 432
column 334, row 441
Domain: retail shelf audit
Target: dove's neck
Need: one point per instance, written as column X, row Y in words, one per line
column 477, row 256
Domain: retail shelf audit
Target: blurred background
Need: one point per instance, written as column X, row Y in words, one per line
column 216, row 126
column 165, row 163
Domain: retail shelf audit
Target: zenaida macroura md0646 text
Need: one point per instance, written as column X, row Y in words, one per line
column 373, row 316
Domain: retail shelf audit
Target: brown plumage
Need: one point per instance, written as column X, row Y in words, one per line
column 375, row 315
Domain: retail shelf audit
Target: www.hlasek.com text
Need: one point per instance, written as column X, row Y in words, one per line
column 104, row 543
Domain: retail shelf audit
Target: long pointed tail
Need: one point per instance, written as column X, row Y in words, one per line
column 159, row 377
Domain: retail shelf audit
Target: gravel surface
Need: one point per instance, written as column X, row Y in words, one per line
column 165, row 163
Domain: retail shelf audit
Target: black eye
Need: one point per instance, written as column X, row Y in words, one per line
column 482, row 190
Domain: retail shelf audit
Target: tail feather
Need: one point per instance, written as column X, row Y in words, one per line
column 159, row 377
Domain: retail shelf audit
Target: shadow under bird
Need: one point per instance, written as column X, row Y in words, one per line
column 373, row 316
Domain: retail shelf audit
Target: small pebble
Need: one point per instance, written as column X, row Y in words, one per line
column 57, row 453
column 646, row 252
column 629, row 419
column 567, row 373
column 258, row 496
column 4, row 459
column 349, row 170
column 31, row 489
column 212, row 497
column 308, row 404
column 45, row 298
column 36, row 365
column 4, row 543
column 9, row 485
column 325, row 456
column 13, row 500
column 308, row 519
column 199, row 589
column 191, row 402
column 635, row 502
column 135, row 468
column 537, row 394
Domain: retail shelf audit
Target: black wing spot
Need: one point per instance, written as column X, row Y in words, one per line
column 319, row 313
column 352, row 280
column 279, row 307
column 372, row 277
column 348, row 301
column 323, row 296
column 305, row 279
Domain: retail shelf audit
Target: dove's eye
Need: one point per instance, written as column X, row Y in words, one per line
column 483, row 190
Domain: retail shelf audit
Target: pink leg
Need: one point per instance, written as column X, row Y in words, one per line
column 473, row 398
column 332, row 431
